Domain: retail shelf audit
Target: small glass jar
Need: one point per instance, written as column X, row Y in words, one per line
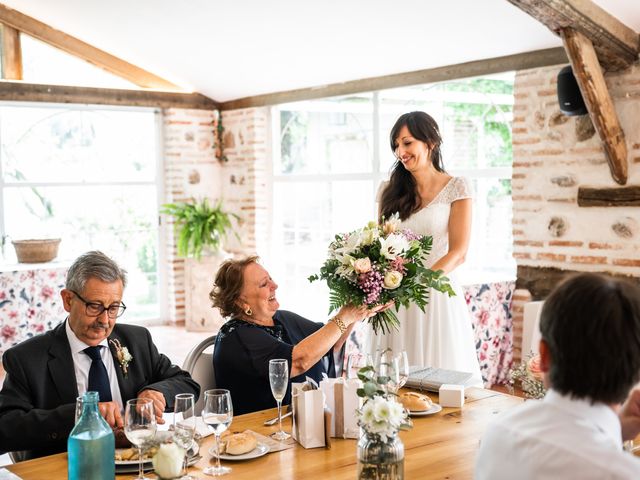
column 378, row 460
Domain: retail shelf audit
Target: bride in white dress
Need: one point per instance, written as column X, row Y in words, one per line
column 430, row 202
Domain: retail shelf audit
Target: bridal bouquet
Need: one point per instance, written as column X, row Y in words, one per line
column 378, row 264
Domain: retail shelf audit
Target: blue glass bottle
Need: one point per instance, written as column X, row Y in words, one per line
column 91, row 444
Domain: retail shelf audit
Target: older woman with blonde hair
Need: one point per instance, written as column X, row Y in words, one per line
column 257, row 331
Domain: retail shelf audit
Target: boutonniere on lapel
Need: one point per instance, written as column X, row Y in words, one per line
column 122, row 354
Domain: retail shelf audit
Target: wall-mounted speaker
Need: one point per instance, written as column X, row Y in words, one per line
column 569, row 96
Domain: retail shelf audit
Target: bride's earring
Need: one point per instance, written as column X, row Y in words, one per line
column 248, row 312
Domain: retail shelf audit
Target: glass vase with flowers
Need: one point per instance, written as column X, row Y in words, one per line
column 381, row 417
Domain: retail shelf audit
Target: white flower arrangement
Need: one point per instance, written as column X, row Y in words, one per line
column 529, row 374
column 381, row 414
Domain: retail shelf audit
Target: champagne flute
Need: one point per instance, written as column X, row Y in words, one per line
column 184, row 426
column 279, row 381
column 139, row 426
column 353, row 365
column 217, row 413
column 385, row 368
column 402, row 365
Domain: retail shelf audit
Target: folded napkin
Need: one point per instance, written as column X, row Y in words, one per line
column 7, row 475
column 274, row 445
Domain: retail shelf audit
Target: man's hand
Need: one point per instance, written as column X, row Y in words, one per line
column 629, row 415
column 159, row 402
column 110, row 411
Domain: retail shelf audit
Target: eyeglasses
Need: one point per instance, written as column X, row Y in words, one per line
column 93, row 309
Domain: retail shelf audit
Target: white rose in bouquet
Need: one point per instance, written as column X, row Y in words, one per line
column 392, row 279
column 362, row 265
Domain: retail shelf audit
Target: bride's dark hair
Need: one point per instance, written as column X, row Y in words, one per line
column 401, row 194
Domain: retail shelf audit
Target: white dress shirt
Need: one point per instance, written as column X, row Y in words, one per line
column 82, row 364
column 555, row 438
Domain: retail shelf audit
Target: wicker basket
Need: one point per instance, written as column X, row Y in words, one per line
column 36, row 251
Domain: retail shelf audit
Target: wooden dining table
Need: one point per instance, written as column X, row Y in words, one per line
column 442, row 445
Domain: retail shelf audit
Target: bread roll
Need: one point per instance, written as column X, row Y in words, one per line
column 415, row 402
column 240, row 443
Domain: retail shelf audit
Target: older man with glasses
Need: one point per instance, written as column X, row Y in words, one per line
column 86, row 352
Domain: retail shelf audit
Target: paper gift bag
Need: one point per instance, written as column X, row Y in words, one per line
column 342, row 398
column 308, row 415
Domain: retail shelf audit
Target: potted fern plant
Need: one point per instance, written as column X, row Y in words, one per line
column 199, row 226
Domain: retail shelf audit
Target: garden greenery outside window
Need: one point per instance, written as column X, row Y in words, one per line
column 89, row 176
column 330, row 156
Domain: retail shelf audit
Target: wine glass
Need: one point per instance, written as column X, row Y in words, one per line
column 217, row 413
column 279, row 381
column 79, row 405
column 184, row 426
column 139, row 426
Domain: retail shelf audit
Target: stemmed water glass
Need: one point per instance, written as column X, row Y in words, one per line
column 217, row 413
column 279, row 381
column 184, row 426
column 139, row 426
column 398, row 371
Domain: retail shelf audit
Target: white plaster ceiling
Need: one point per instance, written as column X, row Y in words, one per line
column 228, row 49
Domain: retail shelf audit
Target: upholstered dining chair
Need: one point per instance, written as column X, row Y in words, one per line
column 199, row 363
column 18, row 456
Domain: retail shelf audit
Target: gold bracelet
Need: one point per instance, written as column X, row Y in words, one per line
column 339, row 323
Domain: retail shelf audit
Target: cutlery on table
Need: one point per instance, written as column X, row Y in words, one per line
column 273, row 421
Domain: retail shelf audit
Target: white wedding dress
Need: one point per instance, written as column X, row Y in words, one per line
column 442, row 336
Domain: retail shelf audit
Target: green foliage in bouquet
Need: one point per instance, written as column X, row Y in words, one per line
column 199, row 225
column 379, row 264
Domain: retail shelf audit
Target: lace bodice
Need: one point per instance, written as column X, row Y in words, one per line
column 433, row 219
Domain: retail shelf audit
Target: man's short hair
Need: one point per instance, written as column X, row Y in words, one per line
column 94, row 264
column 591, row 325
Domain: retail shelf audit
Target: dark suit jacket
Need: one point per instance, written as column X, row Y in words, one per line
column 37, row 400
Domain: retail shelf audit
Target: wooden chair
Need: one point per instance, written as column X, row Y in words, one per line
column 199, row 363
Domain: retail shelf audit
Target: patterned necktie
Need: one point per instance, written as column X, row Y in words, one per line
column 98, row 378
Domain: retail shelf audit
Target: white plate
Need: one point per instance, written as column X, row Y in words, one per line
column 147, row 467
column 435, row 408
column 261, row 449
column 132, row 462
column 193, row 450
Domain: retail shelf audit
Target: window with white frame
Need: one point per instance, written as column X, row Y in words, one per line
column 87, row 175
column 330, row 156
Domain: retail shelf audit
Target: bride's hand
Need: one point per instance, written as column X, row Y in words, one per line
column 380, row 308
column 351, row 314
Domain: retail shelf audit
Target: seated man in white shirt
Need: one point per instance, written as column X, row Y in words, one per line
column 590, row 356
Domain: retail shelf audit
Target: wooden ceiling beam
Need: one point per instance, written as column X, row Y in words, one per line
column 520, row 61
column 11, row 53
column 609, row 197
column 30, row 92
column 590, row 78
column 617, row 45
column 89, row 53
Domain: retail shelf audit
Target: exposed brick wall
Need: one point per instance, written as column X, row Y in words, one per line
column 246, row 140
column 520, row 297
column 552, row 156
column 191, row 169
